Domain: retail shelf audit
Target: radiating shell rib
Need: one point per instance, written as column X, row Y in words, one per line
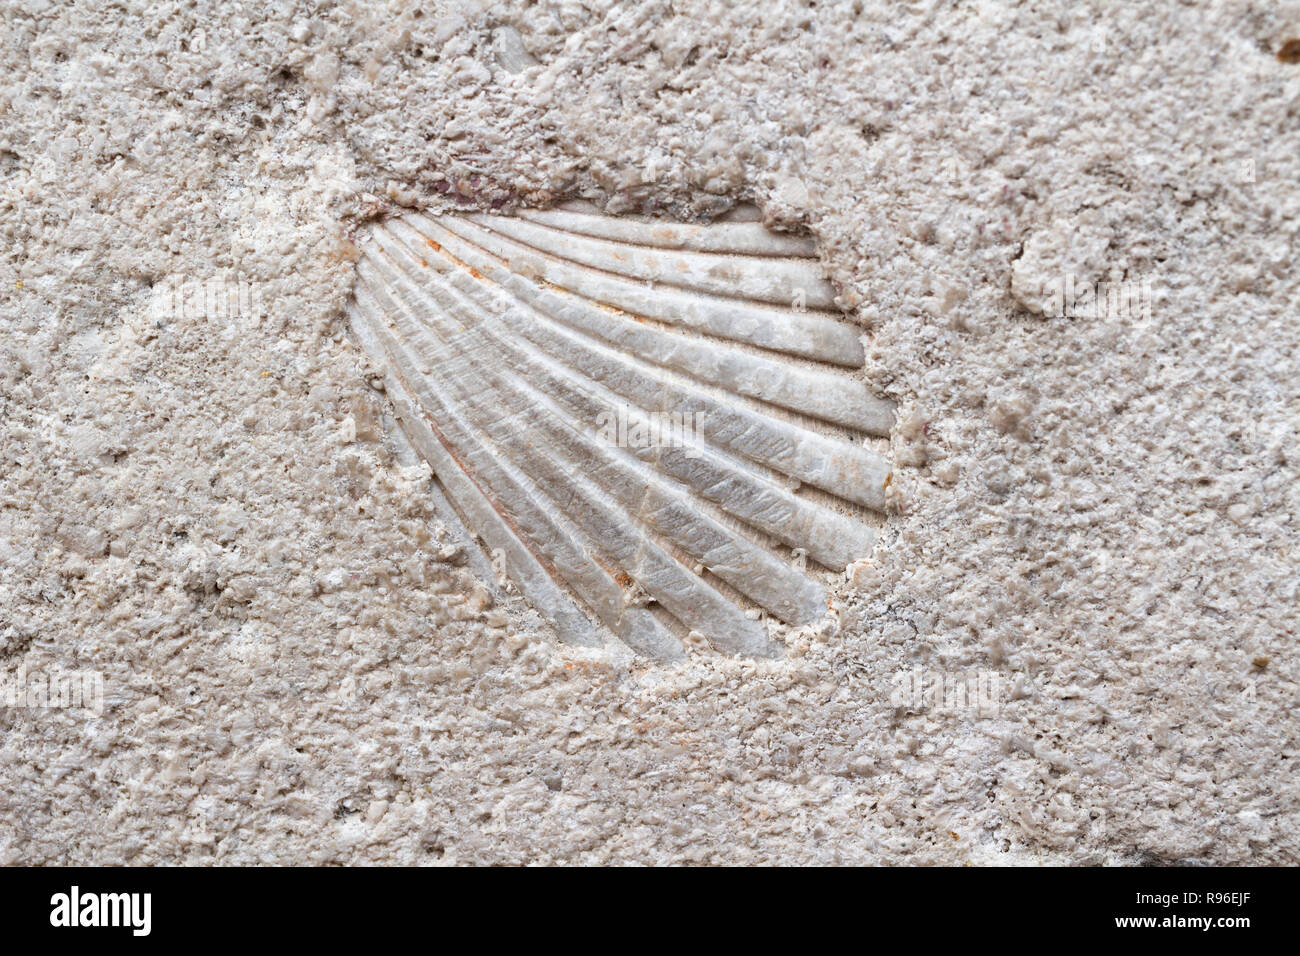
column 514, row 345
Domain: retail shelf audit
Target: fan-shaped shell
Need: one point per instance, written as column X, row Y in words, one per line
column 649, row 426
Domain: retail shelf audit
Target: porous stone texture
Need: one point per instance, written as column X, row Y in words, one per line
column 298, row 665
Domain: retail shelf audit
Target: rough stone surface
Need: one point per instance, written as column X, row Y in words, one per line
column 298, row 665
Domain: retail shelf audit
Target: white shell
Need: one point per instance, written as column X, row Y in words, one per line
column 642, row 420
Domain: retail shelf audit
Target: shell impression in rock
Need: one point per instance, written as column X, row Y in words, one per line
column 651, row 428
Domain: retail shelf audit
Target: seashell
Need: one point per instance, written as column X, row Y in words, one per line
column 652, row 428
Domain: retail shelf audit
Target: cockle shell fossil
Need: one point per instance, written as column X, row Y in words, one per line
column 652, row 428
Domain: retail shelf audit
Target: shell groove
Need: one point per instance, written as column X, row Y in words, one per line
column 651, row 428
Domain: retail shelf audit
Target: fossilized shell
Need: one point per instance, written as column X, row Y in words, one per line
column 650, row 427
